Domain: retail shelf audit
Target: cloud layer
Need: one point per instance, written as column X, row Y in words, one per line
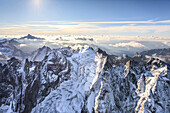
column 142, row 28
column 129, row 44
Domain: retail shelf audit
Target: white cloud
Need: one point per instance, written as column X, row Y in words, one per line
column 61, row 27
column 106, row 22
column 129, row 44
column 87, row 28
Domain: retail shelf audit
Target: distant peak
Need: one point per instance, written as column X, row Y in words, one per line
column 29, row 36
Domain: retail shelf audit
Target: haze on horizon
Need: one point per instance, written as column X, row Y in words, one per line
column 86, row 17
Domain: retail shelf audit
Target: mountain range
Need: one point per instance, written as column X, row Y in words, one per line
column 83, row 80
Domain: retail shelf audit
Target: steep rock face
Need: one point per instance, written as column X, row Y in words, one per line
column 10, row 82
column 28, row 84
column 131, row 88
column 85, row 81
column 141, row 79
column 71, row 94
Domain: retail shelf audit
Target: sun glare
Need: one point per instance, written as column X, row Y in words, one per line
column 37, row 4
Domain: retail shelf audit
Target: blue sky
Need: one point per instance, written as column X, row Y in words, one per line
column 103, row 17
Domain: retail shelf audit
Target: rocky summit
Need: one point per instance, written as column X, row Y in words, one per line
column 84, row 81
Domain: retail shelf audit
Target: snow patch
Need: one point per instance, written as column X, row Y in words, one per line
column 23, row 45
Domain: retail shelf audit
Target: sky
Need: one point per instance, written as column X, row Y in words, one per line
column 86, row 17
